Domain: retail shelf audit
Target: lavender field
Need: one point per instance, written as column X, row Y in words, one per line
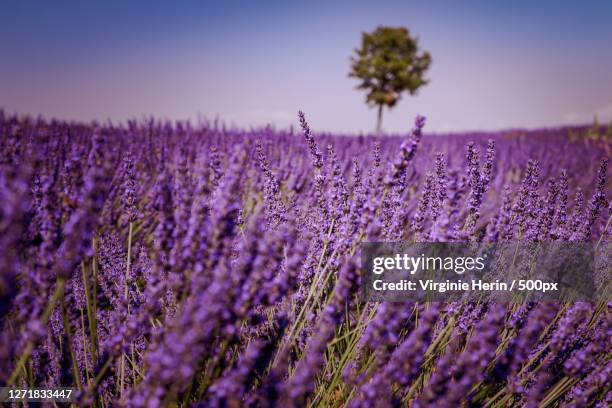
column 167, row 264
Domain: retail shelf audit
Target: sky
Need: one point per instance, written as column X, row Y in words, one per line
column 496, row 65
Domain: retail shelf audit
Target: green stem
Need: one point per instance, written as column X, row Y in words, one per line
column 85, row 357
column 94, row 304
column 89, row 309
column 313, row 288
column 59, row 292
column 67, row 330
column 347, row 355
column 603, row 233
column 102, row 371
column 128, row 263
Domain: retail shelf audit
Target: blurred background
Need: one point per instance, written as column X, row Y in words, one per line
column 494, row 66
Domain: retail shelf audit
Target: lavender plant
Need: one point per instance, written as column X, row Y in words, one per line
column 158, row 264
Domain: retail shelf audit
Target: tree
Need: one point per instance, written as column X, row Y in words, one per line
column 389, row 63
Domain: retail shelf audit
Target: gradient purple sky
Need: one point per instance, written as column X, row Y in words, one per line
column 509, row 64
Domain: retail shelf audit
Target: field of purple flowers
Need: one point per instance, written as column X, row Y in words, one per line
column 157, row 264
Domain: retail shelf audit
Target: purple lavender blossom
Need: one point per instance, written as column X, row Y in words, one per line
column 244, row 284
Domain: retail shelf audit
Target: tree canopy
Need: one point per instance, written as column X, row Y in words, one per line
column 389, row 63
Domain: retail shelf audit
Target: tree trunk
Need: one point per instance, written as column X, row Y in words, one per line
column 379, row 122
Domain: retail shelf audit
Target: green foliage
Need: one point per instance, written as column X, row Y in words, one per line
column 388, row 63
column 595, row 133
